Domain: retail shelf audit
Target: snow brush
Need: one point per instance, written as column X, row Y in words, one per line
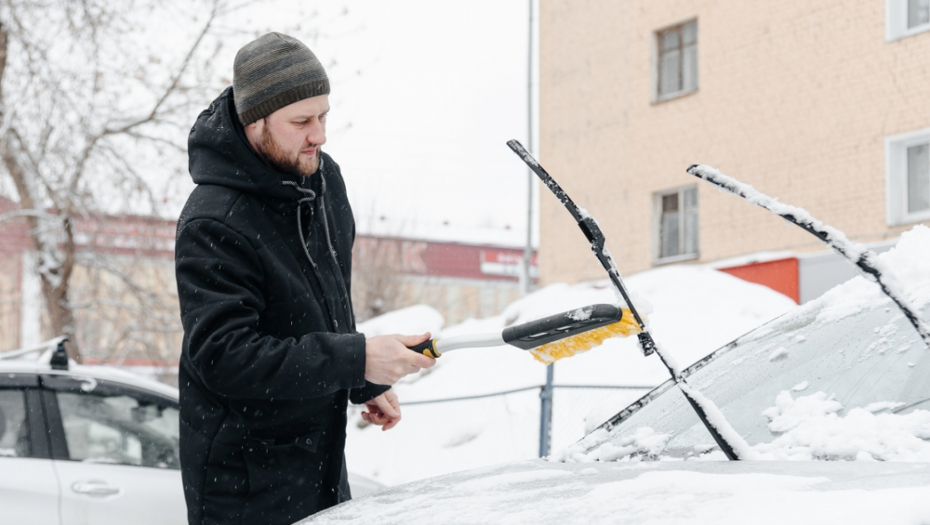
column 863, row 258
column 731, row 443
column 548, row 339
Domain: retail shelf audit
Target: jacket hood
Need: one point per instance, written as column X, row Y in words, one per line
column 220, row 154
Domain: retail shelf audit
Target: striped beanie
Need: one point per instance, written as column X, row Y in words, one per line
column 273, row 71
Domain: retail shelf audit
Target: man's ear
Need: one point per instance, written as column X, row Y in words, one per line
column 255, row 127
column 254, row 130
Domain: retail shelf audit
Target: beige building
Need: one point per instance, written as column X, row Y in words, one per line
column 825, row 105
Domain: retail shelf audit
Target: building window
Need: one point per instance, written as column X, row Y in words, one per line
column 918, row 13
column 676, row 224
column 677, row 61
column 904, row 18
column 907, row 177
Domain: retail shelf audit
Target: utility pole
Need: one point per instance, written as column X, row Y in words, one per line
column 526, row 278
column 545, row 396
column 545, row 412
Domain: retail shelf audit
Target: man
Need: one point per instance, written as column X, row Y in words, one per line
column 263, row 255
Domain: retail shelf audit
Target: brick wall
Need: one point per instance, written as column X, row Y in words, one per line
column 794, row 97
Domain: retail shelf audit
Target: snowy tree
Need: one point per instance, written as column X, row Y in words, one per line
column 96, row 98
column 377, row 283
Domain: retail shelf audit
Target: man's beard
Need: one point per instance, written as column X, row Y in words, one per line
column 278, row 159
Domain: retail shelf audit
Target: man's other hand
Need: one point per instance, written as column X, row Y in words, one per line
column 388, row 358
column 383, row 411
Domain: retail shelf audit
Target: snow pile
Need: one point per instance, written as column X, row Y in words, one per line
column 413, row 320
column 808, row 428
column 788, row 413
column 811, row 428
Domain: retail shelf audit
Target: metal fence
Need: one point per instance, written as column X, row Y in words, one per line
column 563, row 425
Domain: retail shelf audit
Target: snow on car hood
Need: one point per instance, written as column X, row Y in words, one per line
column 723, row 493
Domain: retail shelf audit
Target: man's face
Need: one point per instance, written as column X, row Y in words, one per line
column 289, row 139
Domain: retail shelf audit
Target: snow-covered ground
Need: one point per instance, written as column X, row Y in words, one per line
column 693, row 311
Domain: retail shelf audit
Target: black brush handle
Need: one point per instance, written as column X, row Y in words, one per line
column 559, row 326
column 427, row 348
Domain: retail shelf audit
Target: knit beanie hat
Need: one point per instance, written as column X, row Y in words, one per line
column 273, row 71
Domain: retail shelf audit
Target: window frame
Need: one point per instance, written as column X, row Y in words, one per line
column 896, row 21
column 657, row 95
column 52, row 383
column 896, row 194
column 28, row 384
column 657, row 196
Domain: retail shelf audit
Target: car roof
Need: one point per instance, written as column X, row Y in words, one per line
column 100, row 372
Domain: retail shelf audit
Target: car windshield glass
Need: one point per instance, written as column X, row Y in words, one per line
column 846, row 366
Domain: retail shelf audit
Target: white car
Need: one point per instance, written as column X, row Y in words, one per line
column 91, row 445
column 832, row 400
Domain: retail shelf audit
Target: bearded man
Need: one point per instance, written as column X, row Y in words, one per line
column 271, row 357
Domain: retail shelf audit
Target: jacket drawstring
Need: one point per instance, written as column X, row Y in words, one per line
column 309, row 197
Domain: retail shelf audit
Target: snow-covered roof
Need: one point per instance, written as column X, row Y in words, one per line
column 106, row 373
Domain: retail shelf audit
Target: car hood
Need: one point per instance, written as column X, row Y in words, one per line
column 722, row 493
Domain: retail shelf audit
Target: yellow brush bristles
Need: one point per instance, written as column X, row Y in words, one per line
column 552, row 352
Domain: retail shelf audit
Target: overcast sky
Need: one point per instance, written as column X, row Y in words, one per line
column 425, row 95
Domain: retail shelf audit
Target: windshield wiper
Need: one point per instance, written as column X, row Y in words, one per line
column 864, row 259
column 729, row 441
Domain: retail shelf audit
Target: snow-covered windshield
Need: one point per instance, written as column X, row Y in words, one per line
column 843, row 377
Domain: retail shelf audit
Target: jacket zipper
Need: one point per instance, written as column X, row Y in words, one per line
column 310, row 197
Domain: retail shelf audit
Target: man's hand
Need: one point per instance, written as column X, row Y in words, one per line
column 383, row 411
column 387, row 358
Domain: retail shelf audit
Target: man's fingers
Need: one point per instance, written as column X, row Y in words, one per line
column 391, row 398
column 415, row 358
column 388, row 358
column 383, row 411
column 386, row 408
column 420, row 361
column 412, row 340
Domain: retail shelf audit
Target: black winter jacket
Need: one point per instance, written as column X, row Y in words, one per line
column 270, row 356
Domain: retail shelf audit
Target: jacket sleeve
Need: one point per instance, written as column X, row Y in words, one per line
column 219, row 274
column 367, row 392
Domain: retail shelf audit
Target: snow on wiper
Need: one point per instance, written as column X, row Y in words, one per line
column 863, row 258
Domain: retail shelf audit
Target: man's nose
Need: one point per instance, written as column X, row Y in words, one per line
column 317, row 133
